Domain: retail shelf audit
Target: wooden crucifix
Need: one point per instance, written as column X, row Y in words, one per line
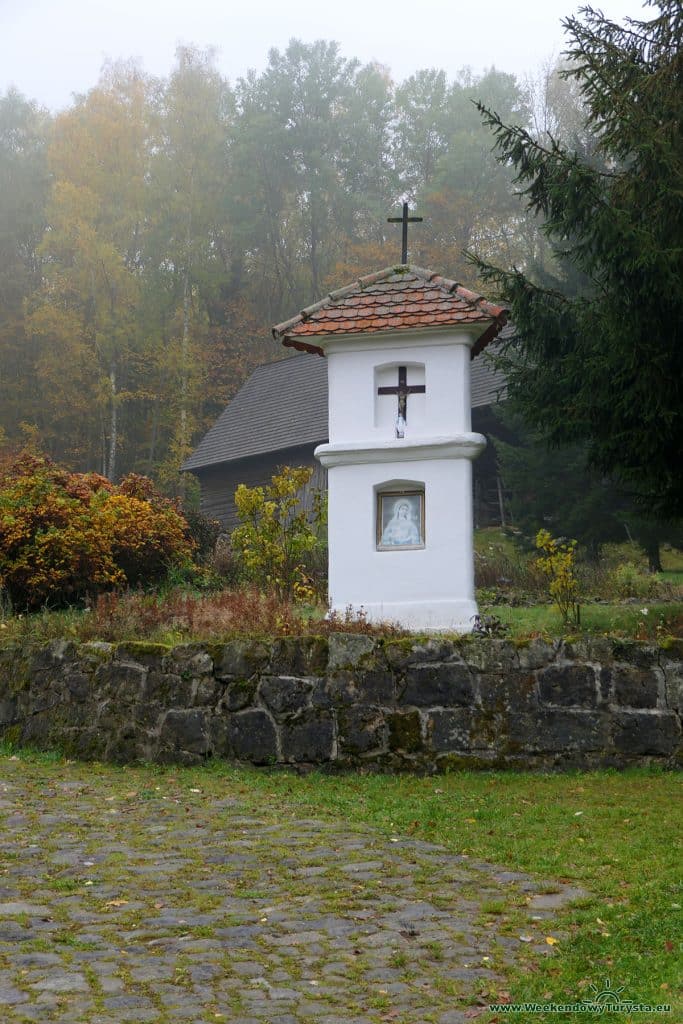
column 402, row 391
column 405, row 220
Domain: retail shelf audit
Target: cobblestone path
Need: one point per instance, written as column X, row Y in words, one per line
column 165, row 903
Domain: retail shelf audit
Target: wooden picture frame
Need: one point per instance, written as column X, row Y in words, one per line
column 400, row 520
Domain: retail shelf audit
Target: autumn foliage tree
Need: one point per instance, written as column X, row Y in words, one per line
column 66, row 535
column 151, row 232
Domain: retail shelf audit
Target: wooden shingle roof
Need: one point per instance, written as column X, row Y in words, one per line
column 394, row 299
column 282, row 405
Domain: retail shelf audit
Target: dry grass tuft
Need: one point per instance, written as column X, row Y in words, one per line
column 178, row 615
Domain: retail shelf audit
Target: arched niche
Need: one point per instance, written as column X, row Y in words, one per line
column 388, row 380
column 400, row 515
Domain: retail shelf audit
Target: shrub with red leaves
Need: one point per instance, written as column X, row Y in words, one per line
column 66, row 535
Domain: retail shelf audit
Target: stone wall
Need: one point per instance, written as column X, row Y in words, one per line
column 349, row 701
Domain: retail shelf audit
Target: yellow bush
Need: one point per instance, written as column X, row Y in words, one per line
column 557, row 563
column 64, row 535
column 276, row 533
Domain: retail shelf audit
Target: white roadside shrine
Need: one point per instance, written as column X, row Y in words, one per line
column 399, row 344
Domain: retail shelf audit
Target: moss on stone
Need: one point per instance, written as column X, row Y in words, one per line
column 241, row 693
column 672, row 644
column 142, row 649
column 463, row 762
column 405, row 732
column 347, row 650
column 11, row 734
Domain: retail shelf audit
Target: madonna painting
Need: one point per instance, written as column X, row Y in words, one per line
column 400, row 520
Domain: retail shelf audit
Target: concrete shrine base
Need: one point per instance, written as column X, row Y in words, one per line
column 455, row 616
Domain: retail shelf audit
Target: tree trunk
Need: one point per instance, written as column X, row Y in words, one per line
column 184, row 362
column 154, row 433
column 654, row 561
column 113, row 425
column 501, row 502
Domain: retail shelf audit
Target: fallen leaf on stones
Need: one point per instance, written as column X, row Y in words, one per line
column 475, row 1011
column 116, row 903
column 158, row 906
column 551, row 941
column 131, row 796
column 526, row 938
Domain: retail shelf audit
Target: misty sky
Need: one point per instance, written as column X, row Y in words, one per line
column 50, row 49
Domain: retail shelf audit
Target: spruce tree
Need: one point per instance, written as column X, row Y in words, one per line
column 598, row 356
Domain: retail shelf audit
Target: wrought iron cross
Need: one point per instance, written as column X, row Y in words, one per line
column 402, row 391
column 405, row 220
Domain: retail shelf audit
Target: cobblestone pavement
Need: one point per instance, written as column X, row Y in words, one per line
column 168, row 904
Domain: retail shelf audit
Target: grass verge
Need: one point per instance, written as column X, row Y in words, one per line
column 614, row 834
column 644, row 620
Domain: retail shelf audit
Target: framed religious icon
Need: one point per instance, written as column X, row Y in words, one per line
column 400, row 520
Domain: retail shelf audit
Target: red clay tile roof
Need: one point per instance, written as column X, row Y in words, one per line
column 397, row 298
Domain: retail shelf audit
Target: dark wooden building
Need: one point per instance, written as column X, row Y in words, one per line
column 279, row 416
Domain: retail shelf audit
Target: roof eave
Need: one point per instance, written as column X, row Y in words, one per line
column 490, row 334
column 252, row 455
column 300, row 346
column 317, row 343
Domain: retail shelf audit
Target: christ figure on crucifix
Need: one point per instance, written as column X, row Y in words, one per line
column 402, row 391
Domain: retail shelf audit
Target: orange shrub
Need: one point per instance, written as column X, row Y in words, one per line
column 65, row 535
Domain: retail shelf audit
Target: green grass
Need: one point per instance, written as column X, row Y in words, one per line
column 494, row 537
column 628, row 620
column 614, row 834
column 672, row 576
